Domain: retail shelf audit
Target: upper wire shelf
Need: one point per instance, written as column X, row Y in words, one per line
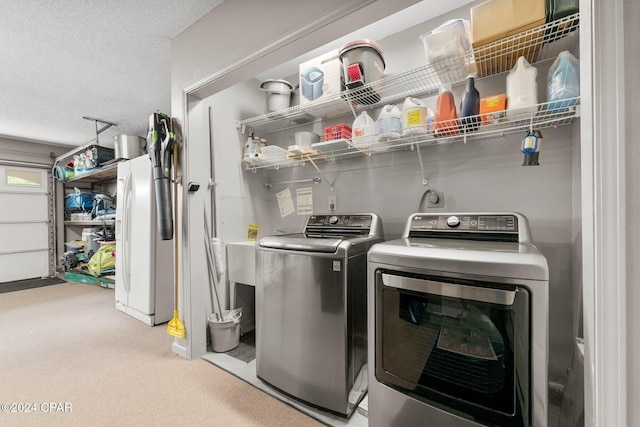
column 536, row 45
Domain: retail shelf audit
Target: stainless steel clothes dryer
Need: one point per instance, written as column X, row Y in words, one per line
column 458, row 324
column 312, row 310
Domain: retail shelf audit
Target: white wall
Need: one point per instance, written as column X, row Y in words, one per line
column 632, row 89
column 240, row 201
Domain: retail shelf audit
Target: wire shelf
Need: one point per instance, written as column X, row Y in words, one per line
column 547, row 115
column 536, row 45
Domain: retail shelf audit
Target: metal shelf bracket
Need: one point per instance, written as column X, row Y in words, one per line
column 106, row 125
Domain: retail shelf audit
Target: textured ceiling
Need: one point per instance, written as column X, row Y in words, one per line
column 62, row 60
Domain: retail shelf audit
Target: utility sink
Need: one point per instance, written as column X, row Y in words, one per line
column 241, row 270
column 241, row 262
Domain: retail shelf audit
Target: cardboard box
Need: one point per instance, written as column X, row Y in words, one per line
column 306, row 153
column 496, row 20
column 320, row 79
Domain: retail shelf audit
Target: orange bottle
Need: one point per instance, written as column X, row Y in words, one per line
column 445, row 122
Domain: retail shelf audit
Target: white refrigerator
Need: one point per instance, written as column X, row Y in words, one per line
column 144, row 262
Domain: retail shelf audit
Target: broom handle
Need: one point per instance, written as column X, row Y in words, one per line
column 175, row 228
column 213, row 271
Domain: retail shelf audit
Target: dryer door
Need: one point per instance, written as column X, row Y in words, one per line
column 459, row 345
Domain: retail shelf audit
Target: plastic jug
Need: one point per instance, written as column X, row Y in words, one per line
column 389, row 123
column 522, row 89
column 363, row 126
column 415, row 117
column 252, row 147
column 445, row 121
column 470, row 106
column 563, row 82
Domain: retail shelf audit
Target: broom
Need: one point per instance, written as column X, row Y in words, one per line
column 175, row 326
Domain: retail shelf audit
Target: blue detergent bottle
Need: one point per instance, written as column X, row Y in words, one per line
column 563, row 83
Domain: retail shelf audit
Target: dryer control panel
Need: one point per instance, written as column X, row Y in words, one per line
column 464, row 226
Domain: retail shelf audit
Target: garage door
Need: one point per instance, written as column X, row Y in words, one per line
column 25, row 220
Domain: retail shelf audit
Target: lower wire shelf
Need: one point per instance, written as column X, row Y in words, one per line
column 546, row 115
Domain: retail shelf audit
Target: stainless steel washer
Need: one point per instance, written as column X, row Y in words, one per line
column 458, row 324
column 312, row 310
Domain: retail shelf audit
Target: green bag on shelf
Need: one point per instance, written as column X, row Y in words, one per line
column 103, row 259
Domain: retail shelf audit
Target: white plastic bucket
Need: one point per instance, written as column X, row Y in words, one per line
column 278, row 94
column 225, row 333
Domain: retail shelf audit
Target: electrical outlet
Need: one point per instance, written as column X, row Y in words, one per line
column 333, row 203
column 435, row 199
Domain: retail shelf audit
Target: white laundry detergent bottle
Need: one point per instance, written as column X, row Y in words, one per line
column 389, row 123
column 415, row 117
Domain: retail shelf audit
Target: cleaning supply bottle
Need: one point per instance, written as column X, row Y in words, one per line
column 363, row 126
column 445, row 120
column 252, row 148
column 470, row 106
column 522, row 89
column 415, row 116
column 563, row 82
column 389, row 123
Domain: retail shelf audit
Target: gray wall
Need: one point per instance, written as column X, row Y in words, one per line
column 483, row 175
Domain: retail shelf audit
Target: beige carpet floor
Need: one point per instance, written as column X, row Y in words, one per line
column 69, row 358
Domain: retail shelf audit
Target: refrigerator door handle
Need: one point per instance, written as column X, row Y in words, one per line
column 126, row 232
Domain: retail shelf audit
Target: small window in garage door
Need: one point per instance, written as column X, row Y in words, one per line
column 25, row 178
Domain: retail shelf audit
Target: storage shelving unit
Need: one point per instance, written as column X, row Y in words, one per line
column 537, row 45
column 98, row 174
column 107, row 172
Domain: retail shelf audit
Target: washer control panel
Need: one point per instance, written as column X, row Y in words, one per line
column 342, row 221
column 466, row 223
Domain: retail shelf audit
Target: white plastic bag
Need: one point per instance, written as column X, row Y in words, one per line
column 448, row 50
column 522, row 89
